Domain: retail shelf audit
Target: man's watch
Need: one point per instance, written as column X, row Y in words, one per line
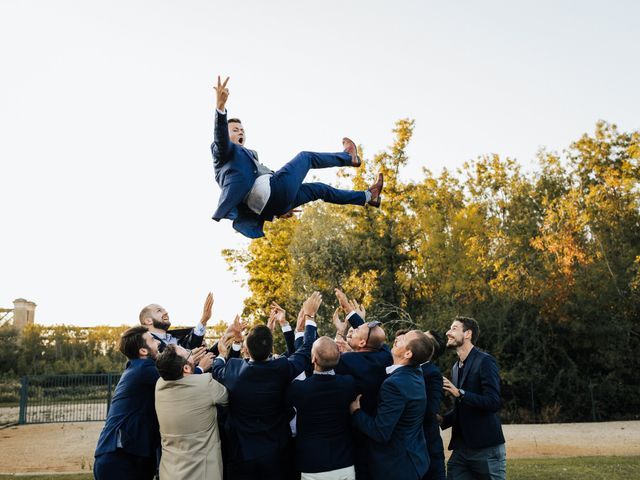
column 462, row 392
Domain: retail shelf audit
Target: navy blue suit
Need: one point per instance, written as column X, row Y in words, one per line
column 433, row 385
column 257, row 423
column 132, row 422
column 475, row 419
column 323, row 440
column 236, row 171
column 397, row 448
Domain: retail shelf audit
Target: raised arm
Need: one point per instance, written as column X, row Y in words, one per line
column 221, row 145
column 300, row 360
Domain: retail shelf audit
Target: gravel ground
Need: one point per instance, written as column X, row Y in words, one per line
column 68, row 447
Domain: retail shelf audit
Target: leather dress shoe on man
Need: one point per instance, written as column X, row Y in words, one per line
column 352, row 150
column 376, row 190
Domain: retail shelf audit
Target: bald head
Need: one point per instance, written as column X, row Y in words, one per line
column 325, row 354
column 155, row 317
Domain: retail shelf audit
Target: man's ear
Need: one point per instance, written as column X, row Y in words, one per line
column 143, row 352
column 408, row 354
column 313, row 359
column 146, row 321
column 186, row 369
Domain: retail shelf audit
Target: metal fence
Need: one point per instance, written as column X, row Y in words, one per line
column 66, row 398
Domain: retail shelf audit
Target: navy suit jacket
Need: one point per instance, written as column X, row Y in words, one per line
column 368, row 369
column 236, row 172
column 475, row 418
column 397, row 449
column 258, row 419
column 323, row 440
column 133, row 412
column 433, row 385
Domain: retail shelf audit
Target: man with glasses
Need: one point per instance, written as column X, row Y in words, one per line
column 366, row 361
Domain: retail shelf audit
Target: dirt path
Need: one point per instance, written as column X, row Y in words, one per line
column 69, row 447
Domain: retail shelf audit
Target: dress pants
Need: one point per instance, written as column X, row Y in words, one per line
column 478, row 463
column 288, row 191
column 436, row 467
column 121, row 465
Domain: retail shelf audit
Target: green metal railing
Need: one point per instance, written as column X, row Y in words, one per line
column 66, row 398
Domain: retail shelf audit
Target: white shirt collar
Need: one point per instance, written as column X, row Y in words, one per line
column 328, row 372
column 392, row 368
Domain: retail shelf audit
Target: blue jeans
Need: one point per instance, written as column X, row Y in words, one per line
column 288, row 191
column 478, row 463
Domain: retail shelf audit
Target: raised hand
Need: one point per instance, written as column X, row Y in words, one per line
column 341, row 325
column 206, row 361
column 222, row 94
column 290, row 213
column 311, row 305
column 343, row 346
column 279, row 313
column 359, row 309
column 206, row 310
column 271, row 323
column 344, row 301
column 197, row 354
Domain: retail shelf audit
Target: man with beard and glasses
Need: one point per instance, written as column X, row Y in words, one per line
column 253, row 193
column 127, row 446
column 156, row 319
column 476, row 439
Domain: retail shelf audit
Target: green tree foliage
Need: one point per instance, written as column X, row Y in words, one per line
column 548, row 262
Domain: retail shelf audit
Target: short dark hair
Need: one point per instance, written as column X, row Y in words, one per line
column 421, row 349
column 233, row 120
column 131, row 341
column 469, row 323
column 260, row 342
column 169, row 364
column 439, row 344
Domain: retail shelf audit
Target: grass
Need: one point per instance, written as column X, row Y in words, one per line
column 583, row 468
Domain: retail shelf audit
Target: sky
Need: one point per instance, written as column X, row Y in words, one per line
column 106, row 121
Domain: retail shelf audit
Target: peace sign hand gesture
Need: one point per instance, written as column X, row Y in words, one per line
column 222, row 93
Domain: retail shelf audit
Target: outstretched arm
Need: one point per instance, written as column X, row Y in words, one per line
column 221, row 142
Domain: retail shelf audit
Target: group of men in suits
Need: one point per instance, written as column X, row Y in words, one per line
column 360, row 409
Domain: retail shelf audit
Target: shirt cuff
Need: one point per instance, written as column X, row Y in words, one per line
column 350, row 314
column 221, row 112
column 286, row 328
column 236, row 346
column 310, row 323
column 220, row 357
column 199, row 330
column 298, row 335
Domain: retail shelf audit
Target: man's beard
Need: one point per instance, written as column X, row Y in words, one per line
column 161, row 324
column 452, row 343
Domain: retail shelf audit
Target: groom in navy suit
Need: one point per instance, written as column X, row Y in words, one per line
column 252, row 193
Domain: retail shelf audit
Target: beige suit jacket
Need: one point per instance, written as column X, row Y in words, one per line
column 189, row 428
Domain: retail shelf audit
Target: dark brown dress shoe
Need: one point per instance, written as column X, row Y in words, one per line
column 352, row 150
column 376, row 190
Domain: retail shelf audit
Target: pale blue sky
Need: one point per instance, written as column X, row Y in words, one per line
column 106, row 120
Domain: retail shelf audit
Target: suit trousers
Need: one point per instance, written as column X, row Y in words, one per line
column 123, row 466
column 436, row 467
column 478, row 463
column 288, row 191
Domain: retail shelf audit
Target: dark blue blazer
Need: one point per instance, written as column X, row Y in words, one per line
column 323, row 440
column 433, row 385
column 258, row 418
column 368, row 369
column 133, row 412
column 475, row 418
column 236, row 172
column 397, row 448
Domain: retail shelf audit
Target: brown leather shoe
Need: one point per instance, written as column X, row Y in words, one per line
column 352, row 150
column 376, row 190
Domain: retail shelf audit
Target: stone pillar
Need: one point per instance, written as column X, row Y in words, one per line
column 24, row 313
